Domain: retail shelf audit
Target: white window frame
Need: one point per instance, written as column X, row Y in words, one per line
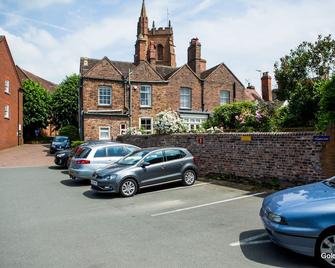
column 6, row 112
column 193, row 122
column 109, row 133
column 7, row 86
column 185, row 95
column 152, row 126
column 110, row 97
column 149, row 96
column 123, row 131
column 224, row 100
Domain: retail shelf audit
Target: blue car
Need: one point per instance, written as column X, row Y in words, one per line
column 302, row 219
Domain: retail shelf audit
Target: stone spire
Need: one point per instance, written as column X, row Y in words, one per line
column 142, row 25
column 144, row 10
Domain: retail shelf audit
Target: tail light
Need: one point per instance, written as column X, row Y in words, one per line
column 83, row 162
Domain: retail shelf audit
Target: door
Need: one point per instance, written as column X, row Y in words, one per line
column 100, row 158
column 154, row 173
column 173, row 163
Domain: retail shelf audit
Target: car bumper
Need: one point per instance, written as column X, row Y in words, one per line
column 81, row 174
column 103, row 186
column 294, row 241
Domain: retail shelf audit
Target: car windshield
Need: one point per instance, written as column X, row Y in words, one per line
column 330, row 182
column 133, row 158
column 60, row 139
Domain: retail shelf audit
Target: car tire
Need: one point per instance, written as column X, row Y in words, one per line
column 323, row 247
column 128, row 188
column 189, row 177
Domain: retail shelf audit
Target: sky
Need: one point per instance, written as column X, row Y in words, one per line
column 48, row 37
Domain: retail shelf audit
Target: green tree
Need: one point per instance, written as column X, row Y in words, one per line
column 65, row 102
column 36, row 107
column 326, row 114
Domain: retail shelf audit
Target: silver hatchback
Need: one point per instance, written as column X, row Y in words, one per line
column 90, row 158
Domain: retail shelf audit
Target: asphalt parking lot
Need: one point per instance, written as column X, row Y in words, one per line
column 49, row 221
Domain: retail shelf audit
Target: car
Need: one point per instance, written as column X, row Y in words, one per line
column 302, row 219
column 62, row 157
column 144, row 168
column 60, row 143
column 88, row 158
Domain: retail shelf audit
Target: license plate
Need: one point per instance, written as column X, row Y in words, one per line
column 95, row 183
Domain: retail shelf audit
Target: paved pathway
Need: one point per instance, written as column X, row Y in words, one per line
column 27, row 155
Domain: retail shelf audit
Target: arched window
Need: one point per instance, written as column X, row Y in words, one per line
column 160, row 52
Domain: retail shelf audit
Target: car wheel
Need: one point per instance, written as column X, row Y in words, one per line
column 189, row 177
column 128, row 188
column 325, row 249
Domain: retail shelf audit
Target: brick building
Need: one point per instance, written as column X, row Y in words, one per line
column 11, row 99
column 117, row 95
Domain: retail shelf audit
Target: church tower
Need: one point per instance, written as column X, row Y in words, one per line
column 154, row 45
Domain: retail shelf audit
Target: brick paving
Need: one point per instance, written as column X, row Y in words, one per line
column 27, row 155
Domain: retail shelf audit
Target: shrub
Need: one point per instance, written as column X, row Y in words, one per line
column 74, row 144
column 168, row 122
column 70, row 131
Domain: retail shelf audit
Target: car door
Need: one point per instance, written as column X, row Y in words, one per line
column 99, row 158
column 114, row 153
column 154, row 173
column 173, row 163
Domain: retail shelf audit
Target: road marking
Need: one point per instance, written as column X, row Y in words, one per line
column 177, row 188
column 206, row 205
column 251, row 240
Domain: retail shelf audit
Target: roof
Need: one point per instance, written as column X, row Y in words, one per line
column 2, row 37
column 251, row 94
column 166, row 71
column 24, row 74
column 206, row 73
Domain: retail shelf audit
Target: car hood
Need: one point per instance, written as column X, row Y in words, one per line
column 305, row 195
column 58, row 143
column 111, row 169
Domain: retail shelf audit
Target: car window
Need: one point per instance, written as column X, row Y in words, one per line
column 116, row 151
column 60, row 139
column 155, row 158
column 173, row 154
column 82, row 152
column 130, row 149
column 100, row 152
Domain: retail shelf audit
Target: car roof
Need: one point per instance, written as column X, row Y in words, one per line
column 151, row 149
column 61, row 137
column 93, row 146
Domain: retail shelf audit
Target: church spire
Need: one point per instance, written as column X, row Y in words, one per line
column 142, row 26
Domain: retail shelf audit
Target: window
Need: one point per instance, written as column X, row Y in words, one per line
column 146, row 125
column 145, row 93
column 100, row 152
column 160, row 52
column 7, row 86
column 116, row 151
column 154, row 158
column 123, row 129
column 82, row 152
column 6, row 111
column 193, row 122
column 185, row 98
column 104, row 133
column 224, row 97
column 105, row 96
column 173, row 154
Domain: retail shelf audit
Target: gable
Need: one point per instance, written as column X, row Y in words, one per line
column 184, row 72
column 104, row 69
column 222, row 73
column 145, row 73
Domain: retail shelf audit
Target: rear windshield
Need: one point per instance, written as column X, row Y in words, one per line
column 60, row 139
column 82, row 152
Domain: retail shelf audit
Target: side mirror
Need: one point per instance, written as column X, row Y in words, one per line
column 145, row 164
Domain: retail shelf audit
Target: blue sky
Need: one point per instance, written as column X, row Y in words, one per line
column 48, row 37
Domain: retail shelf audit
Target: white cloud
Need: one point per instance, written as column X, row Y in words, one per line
column 36, row 4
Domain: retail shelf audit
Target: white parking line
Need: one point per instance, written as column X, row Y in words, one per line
column 177, row 188
column 206, row 205
column 251, row 241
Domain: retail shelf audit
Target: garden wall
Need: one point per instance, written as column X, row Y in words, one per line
column 293, row 157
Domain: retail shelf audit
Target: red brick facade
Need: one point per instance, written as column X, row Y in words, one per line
column 152, row 84
column 11, row 100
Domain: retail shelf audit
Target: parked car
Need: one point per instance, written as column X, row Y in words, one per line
column 59, row 143
column 88, row 158
column 302, row 219
column 144, row 168
column 62, row 157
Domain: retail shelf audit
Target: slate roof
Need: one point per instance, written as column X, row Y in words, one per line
column 251, row 94
column 206, row 73
column 166, row 71
column 24, row 74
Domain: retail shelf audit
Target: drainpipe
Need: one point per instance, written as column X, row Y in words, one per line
column 130, row 99
column 80, row 106
column 202, row 95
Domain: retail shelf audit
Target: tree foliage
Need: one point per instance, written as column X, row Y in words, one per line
column 70, row 131
column 36, row 105
column 65, row 102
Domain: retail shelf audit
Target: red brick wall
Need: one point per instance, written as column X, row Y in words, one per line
column 289, row 157
column 9, row 127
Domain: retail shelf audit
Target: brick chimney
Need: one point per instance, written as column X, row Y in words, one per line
column 194, row 60
column 266, row 87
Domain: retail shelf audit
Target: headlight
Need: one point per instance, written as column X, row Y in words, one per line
column 110, row 177
column 61, row 155
column 276, row 218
